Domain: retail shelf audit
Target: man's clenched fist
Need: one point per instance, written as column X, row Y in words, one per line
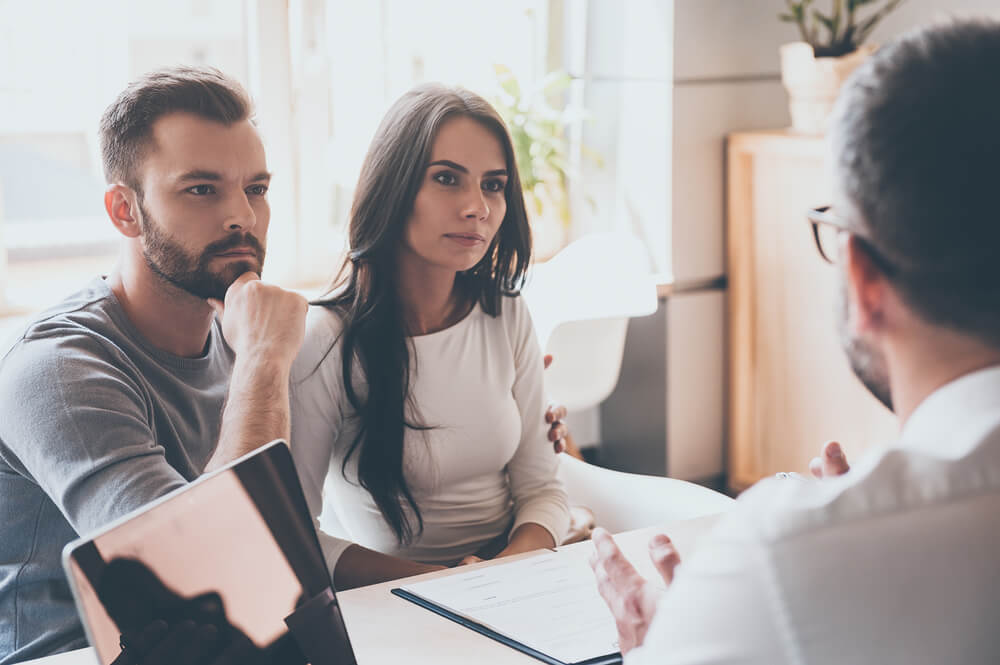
column 262, row 321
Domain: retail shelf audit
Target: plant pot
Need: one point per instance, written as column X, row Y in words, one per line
column 814, row 83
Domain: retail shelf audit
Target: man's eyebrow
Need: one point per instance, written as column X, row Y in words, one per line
column 459, row 167
column 199, row 175
column 213, row 176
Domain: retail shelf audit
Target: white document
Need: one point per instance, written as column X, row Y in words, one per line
column 548, row 602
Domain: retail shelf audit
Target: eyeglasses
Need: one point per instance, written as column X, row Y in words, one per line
column 827, row 226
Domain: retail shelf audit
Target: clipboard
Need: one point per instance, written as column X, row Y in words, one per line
column 544, row 605
column 608, row 659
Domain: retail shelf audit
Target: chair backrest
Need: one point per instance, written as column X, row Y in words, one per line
column 588, row 360
column 580, row 303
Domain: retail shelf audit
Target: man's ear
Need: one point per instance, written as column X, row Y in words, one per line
column 866, row 285
column 122, row 205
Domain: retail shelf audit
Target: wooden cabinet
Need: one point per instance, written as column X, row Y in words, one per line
column 790, row 386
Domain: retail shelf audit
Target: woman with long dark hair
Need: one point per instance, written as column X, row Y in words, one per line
column 417, row 398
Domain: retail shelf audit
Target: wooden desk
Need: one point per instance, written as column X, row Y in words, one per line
column 387, row 629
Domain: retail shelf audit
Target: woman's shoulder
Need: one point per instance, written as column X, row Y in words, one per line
column 515, row 319
column 514, row 312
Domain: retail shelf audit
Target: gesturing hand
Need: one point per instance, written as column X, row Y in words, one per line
column 262, row 320
column 831, row 461
column 631, row 598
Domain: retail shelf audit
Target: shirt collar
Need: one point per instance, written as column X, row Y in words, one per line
column 959, row 410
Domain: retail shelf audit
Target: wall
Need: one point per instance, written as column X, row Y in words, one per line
column 620, row 57
column 725, row 78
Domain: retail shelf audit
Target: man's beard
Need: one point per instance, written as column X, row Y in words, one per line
column 172, row 263
column 867, row 362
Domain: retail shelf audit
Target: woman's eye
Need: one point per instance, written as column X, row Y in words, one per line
column 257, row 190
column 201, row 190
column 494, row 185
column 445, row 178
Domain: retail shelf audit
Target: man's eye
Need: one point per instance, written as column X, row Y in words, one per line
column 494, row 185
column 445, row 178
column 257, row 190
column 201, row 190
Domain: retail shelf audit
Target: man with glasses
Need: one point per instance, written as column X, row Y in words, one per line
column 897, row 560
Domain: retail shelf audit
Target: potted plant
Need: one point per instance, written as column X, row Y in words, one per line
column 541, row 147
column 832, row 46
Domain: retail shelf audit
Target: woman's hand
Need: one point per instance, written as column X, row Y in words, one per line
column 360, row 566
column 555, row 415
column 527, row 538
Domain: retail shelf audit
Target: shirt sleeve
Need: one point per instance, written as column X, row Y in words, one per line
column 539, row 496
column 723, row 606
column 316, row 391
column 77, row 422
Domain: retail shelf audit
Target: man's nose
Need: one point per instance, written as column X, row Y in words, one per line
column 240, row 215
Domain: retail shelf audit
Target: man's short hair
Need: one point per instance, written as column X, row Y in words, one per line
column 916, row 139
column 127, row 125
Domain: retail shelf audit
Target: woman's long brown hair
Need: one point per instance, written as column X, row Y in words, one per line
column 365, row 292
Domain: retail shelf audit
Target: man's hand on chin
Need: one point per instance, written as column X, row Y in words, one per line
column 631, row 598
column 261, row 321
column 264, row 325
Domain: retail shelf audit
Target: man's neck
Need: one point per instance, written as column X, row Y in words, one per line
column 171, row 319
column 922, row 363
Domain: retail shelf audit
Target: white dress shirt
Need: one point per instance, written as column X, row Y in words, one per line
column 484, row 468
column 896, row 562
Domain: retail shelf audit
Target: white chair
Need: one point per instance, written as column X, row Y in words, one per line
column 619, row 501
column 580, row 302
column 626, row 501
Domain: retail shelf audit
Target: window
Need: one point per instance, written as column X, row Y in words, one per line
column 68, row 61
column 353, row 59
column 617, row 54
column 322, row 73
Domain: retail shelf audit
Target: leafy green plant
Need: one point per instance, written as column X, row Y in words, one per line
column 541, row 147
column 840, row 32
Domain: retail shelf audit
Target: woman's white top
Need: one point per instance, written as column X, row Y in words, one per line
column 485, row 468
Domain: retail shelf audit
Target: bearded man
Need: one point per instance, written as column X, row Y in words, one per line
column 133, row 386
